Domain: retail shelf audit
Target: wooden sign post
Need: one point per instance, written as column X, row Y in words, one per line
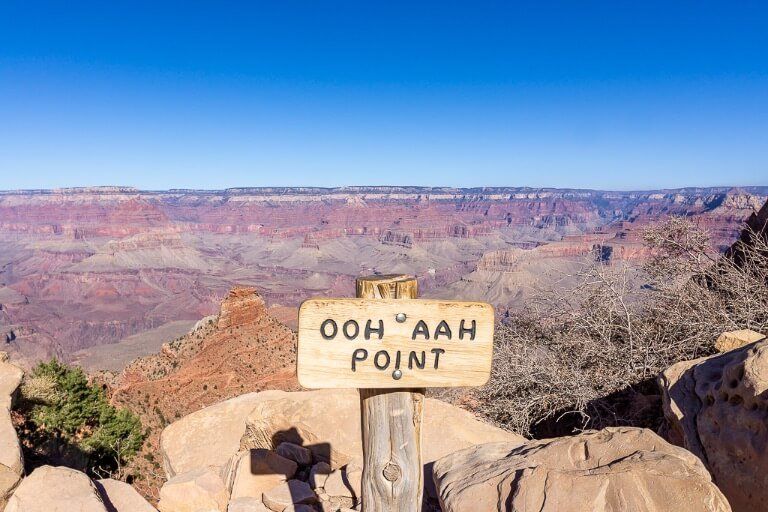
column 391, row 350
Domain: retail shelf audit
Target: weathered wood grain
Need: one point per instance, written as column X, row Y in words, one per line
column 393, row 476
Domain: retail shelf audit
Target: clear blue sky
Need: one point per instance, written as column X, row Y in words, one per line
column 612, row 95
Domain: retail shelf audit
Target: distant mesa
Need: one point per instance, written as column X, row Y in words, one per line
column 83, row 268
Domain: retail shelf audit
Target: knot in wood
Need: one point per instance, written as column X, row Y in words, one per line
column 392, row 472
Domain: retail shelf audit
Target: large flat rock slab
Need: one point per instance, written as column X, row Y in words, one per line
column 201, row 490
column 616, row 469
column 259, row 470
column 328, row 423
column 210, row 436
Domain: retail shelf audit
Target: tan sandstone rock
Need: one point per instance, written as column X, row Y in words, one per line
column 299, row 508
column 210, row 436
column 121, row 497
column 247, row 505
column 201, row 490
column 716, row 407
column 287, row 494
column 321, row 421
column 56, row 489
column 616, row 469
column 736, row 339
column 325, row 422
column 10, row 379
column 260, row 470
column 345, row 482
column 11, row 458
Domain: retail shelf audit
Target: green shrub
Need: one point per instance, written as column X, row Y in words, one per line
column 70, row 421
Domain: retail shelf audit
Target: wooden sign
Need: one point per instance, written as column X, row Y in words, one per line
column 391, row 343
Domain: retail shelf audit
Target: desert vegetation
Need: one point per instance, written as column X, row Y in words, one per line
column 585, row 355
column 65, row 420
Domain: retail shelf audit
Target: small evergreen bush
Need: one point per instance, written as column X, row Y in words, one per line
column 69, row 421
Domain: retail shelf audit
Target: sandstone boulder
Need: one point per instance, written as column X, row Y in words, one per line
column 242, row 306
column 210, row 436
column 287, row 494
column 10, row 379
column 260, row 470
column 327, row 422
column 121, row 497
column 201, row 490
column 616, row 469
column 324, row 422
column 56, row 489
column 716, row 407
column 345, row 483
column 11, row 459
column 247, row 505
column 736, row 339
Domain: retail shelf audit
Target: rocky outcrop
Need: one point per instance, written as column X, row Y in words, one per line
column 255, row 472
column 757, row 228
column 245, row 349
column 210, row 436
column 56, row 489
column 242, row 306
column 716, row 407
column 196, row 491
column 616, row 469
column 11, row 458
column 270, row 445
column 121, row 497
column 10, row 380
column 320, row 420
column 736, row 339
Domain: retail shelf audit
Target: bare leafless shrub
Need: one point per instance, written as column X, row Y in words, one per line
column 696, row 295
column 589, row 348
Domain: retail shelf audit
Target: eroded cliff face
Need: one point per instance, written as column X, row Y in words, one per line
column 243, row 349
column 240, row 350
column 95, row 266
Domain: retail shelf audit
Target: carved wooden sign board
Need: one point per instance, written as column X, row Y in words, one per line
column 390, row 343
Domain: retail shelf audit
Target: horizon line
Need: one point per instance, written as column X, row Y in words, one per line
column 308, row 189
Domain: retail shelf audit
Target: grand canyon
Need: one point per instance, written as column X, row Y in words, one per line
column 101, row 276
column 181, row 306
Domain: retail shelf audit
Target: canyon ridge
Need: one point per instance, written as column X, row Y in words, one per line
column 101, row 276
